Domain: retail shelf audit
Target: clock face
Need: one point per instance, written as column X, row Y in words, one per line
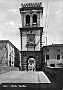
column 31, row 39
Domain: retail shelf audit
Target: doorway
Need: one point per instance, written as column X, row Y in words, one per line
column 31, row 64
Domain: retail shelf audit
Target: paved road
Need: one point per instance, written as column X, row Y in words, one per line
column 24, row 77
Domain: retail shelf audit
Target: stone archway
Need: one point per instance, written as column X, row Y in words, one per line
column 31, row 64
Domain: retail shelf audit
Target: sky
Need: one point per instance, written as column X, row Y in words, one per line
column 52, row 21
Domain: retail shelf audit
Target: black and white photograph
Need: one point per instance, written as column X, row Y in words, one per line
column 31, row 44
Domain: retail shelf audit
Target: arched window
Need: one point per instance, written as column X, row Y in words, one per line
column 35, row 19
column 27, row 20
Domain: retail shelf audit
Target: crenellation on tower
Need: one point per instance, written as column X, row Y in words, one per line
column 31, row 5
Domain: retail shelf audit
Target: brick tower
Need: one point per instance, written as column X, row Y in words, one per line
column 31, row 36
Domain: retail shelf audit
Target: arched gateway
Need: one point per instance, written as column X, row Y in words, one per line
column 31, row 64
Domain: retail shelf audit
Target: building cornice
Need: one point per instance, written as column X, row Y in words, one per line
column 31, row 28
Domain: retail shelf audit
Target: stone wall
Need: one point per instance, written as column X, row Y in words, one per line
column 37, row 55
column 3, row 54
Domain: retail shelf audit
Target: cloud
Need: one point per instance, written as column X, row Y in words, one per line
column 2, row 1
column 13, row 10
column 58, row 13
column 12, row 23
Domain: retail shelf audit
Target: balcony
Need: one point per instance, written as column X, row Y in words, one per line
column 30, row 44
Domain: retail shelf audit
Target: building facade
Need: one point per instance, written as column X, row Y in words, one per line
column 9, row 54
column 53, row 55
column 31, row 36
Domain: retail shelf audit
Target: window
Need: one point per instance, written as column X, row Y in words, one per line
column 58, row 57
column 47, row 57
column 12, row 62
column 58, row 50
column 62, row 56
column 27, row 20
column 52, row 65
column 7, row 55
column 47, row 50
column 6, row 63
column 35, row 19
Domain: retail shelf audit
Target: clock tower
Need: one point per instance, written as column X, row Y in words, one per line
column 31, row 36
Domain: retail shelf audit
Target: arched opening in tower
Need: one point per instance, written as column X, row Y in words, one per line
column 34, row 19
column 27, row 20
column 31, row 63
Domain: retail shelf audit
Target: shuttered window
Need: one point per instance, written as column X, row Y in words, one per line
column 58, row 57
column 47, row 57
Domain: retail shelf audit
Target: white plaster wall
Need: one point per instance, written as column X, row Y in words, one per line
column 54, row 61
column 24, row 41
column 37, row 39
